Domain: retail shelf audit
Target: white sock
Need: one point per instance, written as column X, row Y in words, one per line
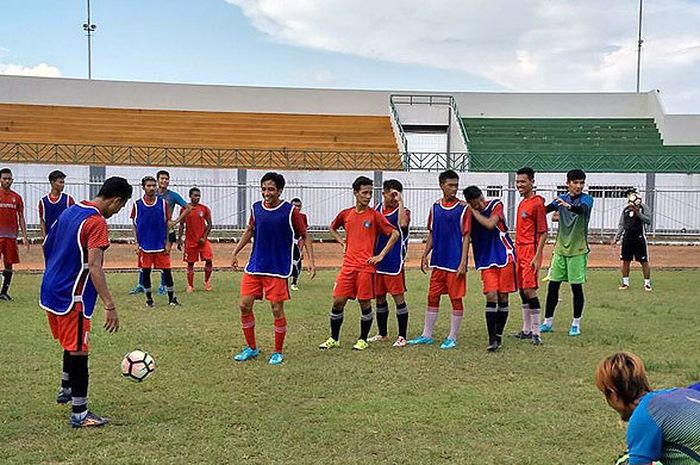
column 549, row 321
column 647, row 282
column 626, row 281
column 576, row 322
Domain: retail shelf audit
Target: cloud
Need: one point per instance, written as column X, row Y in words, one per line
column 42, row 69
column 520, row 44
column 315, row 76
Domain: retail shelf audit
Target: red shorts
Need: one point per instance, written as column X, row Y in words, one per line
column 447, row 282
column 157, row 260
column 388, row 284
column 8, row 250
column 272, row 288
column 354, row 284
column 197, row 252
column 525, row 274
column 496, row 279
column 72, row 329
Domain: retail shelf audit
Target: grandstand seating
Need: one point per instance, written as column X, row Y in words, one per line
column 353, row 140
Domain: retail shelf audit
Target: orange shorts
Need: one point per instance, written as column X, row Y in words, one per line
column 496, row 279
column 8, row 250
column 447, row 282
column 157, row 260
column 525, row 274
column 272, row 288
column 389, row 284
column 354, row 284
column 196, row 252
column 72, row 329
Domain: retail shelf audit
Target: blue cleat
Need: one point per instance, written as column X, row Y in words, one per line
column 246, row 354
column 448, row 343
column 574, row 331
column 276, row 358
column 420, row 340
column 64, row 396
column 545, row 328
column 162, row 290
column 138, row 289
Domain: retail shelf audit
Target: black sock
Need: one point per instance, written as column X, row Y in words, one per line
column 491, row 320
column 577, row 291
column 65, row 376
column 78, row 372
column 147, row 283
column 401, row 318
column 501, row 320
column 383, row 318
column 336, row 323
column 6, row 280
column 365, row 323
column 168, row 278
column 552, row 298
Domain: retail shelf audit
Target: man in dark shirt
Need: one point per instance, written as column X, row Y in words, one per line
column 633, row 221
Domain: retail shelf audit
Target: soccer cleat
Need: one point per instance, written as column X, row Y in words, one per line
column 276, row 358
column 138, row 289
column 294, row 287
column 174, row 303
column 400, row 342
column 378, row 338
column 623, row 287
column 150, row 303
column 420, row 340
column 329, row 344
column 5, row 297
column 162, row 290
column 246, row 354
column 64, row 396
column 448, row 343
column 207, row 286
column 89, row 420
column 190, row 289
column 574, row 331
column 537, row 340
column 647, row 287
column 522, row 335
column 361, row 344
column 546, row 328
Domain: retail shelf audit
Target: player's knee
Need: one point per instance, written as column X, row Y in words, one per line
column 434, row 301
column 491, row 296
column 381, row 300
column 246, row 307
column 277, row 310
column 457, row 306
column 399, row 299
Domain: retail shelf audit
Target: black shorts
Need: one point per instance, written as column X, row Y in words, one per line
column 634, row 248
column 296, row 255
column 172, row 237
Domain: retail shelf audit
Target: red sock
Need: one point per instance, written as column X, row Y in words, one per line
column 190, row 274
column 208, row 268
column 248, row 325
column 280, row 333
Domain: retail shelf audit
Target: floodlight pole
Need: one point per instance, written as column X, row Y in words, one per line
column 89, row 28
column 639, row 45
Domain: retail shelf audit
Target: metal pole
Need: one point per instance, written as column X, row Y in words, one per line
column 89, row 28
column 639, row 45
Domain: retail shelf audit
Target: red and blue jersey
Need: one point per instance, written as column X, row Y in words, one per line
column 492, row 247
column 446, row 225
column 273, row 240
column 151, row 221
column 50, row 209
column 394, row 260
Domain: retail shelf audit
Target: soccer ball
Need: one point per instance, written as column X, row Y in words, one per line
column 634, row 199
column 137, row 365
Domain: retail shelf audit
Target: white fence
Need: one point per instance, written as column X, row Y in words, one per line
column 675, row 211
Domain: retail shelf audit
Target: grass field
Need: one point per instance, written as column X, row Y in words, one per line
column 524, row 405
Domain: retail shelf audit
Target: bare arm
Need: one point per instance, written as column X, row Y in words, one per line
column 466, row 241
column 403, row 217
column 392, row 240
column 136, row 236
column 245, row 239
column 428, row 248
column 183, row 213
column 42, row 227
column 488, row 223
column 180, row 231
column 338, row 238
column 207, row 230
column 23, row 227
column 307, row 243
column 97, row 276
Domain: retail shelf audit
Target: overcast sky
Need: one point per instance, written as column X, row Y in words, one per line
column 386, row 44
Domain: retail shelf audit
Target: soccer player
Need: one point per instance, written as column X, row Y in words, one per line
column 390, row 277
column 74, row 253
column 273, row 225
column 171, row 198
column 570, row 257
column 151, row 221
column 633, row 220
column 298, row 246
column 447, row 245
column 197, row 246
column 493, row 257
column 530, row 238
column 52, row 204
column 11, row 219
column 362, row 225
column 663, row 425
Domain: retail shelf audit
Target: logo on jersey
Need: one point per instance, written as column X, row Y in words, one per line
column 523, row 214
column 367, row 224
column 201, row 214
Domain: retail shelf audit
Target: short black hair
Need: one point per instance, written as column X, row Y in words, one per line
column 162, row 172
column 55, row 175
column 630, row 190
column 448, row 174
column 193, row 190
column 6, row 171
column 360, row 182
column 472, row 193
column 296, row 200
column 527, row 171
column 575, row 175
column 116, row 187
column 277, row 178
column 393, row 184
column 146, row 179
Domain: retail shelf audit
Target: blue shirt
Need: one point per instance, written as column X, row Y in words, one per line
column 394, row 260
column 446, row 227
column 572, row 232
column 151, row 225
column 273, row 240
column 172, row 198
column 492, row 247
column 665, row 426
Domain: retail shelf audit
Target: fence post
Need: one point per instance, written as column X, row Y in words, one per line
column 242, row 206
column 650, row 199
column 378, row 181
column 511, row 198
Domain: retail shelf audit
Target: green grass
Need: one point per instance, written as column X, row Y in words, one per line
column 524, row 405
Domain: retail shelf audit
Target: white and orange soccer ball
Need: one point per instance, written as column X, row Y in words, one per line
column 138, row 365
